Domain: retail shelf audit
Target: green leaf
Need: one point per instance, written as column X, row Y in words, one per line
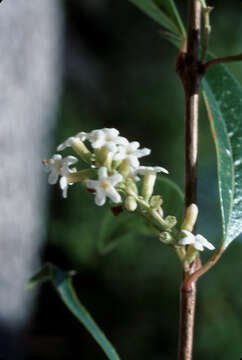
column 172, row 38
column 63, row 285
column 223, row 99
column 173, row 198
column 164, row 12
column 119, row 228
column 127, row 225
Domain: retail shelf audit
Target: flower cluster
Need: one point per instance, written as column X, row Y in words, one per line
column 114, row 166
column 113, row 172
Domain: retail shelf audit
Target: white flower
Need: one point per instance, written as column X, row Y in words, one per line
column 106, row 137
column 105, row 187
column 58, row 166
column 198, row 241
column 130, row 152
column 64, row 186
column 146, row 170
column 149, row 173
column 81, row 136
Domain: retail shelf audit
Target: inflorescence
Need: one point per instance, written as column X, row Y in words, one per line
column 113, row 171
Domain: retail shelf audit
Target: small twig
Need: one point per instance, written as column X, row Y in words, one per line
column 188, row 282
column 222, row 60
column 148, row 220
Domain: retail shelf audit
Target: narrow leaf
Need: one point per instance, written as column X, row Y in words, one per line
column 63, row 285
column 164, row 12
column 172, row 38
column 223, row 99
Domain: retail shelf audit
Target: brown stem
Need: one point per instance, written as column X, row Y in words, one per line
column 191, row 71
column 187, row 316
column 222, row 60
column 190, row 280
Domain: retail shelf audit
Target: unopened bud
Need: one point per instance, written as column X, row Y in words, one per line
column 116, row 164
column 166, row 238
column 130, row 203
column 190, row 218
column 148, row 185
column 103, row 157
column 81, row 176
column 171, row 221
column 80, row 148
column 130, row 184
column 156, row 201
column 191, row 254
column 124, row 168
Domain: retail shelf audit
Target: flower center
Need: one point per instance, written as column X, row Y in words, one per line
column 59, row 166
column 104, row 184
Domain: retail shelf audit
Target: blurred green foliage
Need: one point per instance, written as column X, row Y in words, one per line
column 119, row 73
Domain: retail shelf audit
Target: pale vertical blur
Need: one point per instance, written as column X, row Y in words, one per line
column 30, row 65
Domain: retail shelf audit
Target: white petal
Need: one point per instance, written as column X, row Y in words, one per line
column 56, row 157
column 102, row 173
column 111, row 146
column 111, row 132
column 64, row 186
column 186, row 241
column 100, row 198
column 188, row 234
column 134, row 162
column 92, row 184
column 97, row 138
column 53, row 177
column 134, row 145
column 61, row 147
column 119, row 155
column 63, row 182
column 97, row 144
column 82, row 135
column 202, row 240
column 161, row 169
column 113, row 195
column 122, row 141
column 69, row 160
column 198, row 246
column 143, row 170
column 66, row 143
column 115, row 179
column 143, row 152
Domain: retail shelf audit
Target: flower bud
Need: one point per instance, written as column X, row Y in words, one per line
column 191, row 254
column 156, row 201
column 81, row 176
column 166, row 238
column 124, row 168
column 130, row 184
column 80, row 148
column 148, row 185
column 171, row 221
column 116, row 164
column 104, row 156
column 190, row 218
column 130, row 203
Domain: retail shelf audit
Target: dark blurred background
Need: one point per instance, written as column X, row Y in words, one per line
column 119, row 72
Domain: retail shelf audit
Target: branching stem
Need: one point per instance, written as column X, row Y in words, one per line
column 222, row 60
column 190, row 71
